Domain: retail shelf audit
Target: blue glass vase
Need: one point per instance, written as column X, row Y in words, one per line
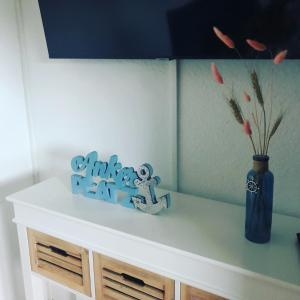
column 259, row 201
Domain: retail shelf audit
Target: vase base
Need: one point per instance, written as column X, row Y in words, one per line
column 257, row 239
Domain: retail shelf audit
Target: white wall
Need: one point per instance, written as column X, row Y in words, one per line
column 112, row 106
column 15, row 159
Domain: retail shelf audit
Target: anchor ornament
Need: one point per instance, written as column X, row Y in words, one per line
column 146, row 200
column 98, row 179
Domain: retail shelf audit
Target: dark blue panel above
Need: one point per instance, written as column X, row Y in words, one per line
column 166, row 28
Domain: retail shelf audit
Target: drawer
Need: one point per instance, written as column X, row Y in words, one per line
column 190, row 293
column 60, row 261
column 115, row 280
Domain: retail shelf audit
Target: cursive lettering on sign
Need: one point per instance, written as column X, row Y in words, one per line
column 103, row 180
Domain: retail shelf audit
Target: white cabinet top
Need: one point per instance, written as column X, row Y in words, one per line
column 194, row 226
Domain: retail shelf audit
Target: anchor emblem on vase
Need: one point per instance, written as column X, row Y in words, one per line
column 251, row 185
column 146, row 200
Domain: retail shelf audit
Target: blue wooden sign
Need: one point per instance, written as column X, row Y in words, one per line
column 104, row 180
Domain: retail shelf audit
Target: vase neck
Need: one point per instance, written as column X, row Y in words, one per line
column 260, row 163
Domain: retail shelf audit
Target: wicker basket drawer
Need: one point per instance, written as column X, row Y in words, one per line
column 190, row 293
column 115, row 280
column 60, row 261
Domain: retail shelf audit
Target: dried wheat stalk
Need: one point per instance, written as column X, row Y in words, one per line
column 259, row 95
column 257, row 88
column 274, row 128
column 236, row 110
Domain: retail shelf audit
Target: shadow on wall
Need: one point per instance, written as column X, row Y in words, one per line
column 58, row 161
column 11, row 282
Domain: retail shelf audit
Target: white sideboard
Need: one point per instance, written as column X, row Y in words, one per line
column 197, row 241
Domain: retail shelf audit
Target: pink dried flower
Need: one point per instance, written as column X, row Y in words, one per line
column 247, row 128
column 247, row 98
column 224, row 38
column 256, row 45
column 216, row 74
column 280, row 57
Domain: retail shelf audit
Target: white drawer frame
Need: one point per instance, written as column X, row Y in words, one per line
column 199, row 272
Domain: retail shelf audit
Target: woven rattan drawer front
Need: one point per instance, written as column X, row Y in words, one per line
column 115, row 280
column 190, row 293
column 60, row 261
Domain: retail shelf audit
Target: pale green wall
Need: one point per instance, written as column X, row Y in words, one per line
column 215, row 155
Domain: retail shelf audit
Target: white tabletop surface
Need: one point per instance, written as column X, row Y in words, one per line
column 199, row 226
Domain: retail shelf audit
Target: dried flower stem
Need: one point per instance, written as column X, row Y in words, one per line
column 264, row 131
column 258, row 126
column 274, row 129
column 271, row 104
column 255, row 120
column 241, row 57
column 260, row 99
column 252, row 142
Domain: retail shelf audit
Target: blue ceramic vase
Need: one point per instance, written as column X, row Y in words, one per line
column 259, row 201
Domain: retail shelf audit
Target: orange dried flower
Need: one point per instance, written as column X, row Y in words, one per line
column 247, row 128
column 216, row 74
column 280, row 57
column 247, row 98
column 256, row 45
column 224, row 38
